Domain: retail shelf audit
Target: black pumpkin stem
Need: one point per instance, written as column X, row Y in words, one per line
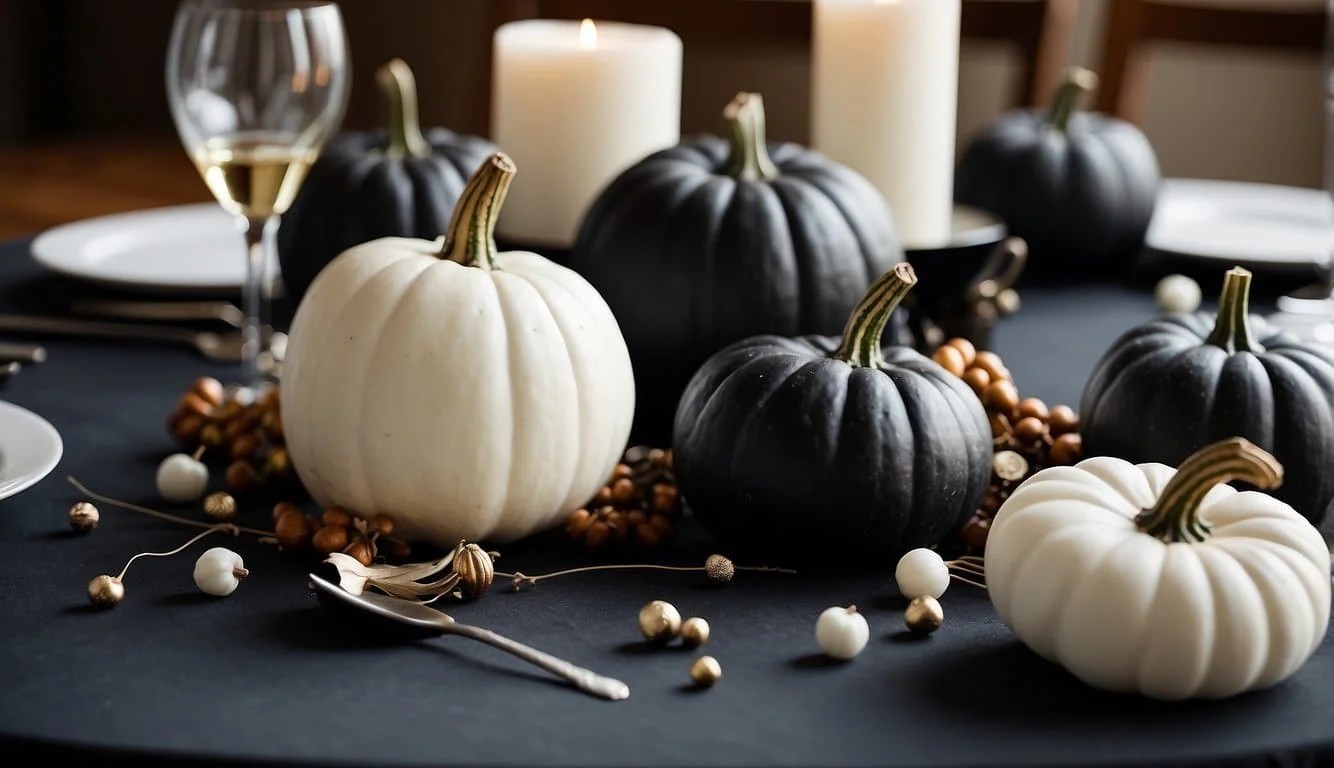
column 749, row 158
column 471, row 240
column 1077, row 82
column 1176, row 515
column 400, row 90
column 1232, row 329
column 861, row 346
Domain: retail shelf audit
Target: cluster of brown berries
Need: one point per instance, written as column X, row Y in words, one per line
column 1027, row 435
column 639, row 505
column 243, row 425
column 337, row 530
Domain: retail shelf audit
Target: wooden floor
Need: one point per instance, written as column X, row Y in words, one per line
column 49, row 184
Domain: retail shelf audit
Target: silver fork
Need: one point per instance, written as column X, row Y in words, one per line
column 214, row 346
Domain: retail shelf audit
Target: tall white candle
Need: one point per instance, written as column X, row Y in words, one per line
column 884, row 81
column 575, row 104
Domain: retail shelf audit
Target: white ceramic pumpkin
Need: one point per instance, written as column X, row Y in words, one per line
column 1142, row 578
column 470, row 394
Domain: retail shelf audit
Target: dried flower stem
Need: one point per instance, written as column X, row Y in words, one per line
column 225, row 527
column 632, row 566
column 160, row 515
column 968, row 565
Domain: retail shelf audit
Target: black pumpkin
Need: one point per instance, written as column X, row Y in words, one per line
column 710, row 242
column 366, row 185
column 1172, row 386
column 790, row 448
column 1079, row 188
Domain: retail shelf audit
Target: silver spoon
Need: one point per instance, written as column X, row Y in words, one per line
column 426, row 618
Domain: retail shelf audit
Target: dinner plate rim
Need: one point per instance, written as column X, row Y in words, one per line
column 47, row 250
column 1177, row 185
column 24, row 427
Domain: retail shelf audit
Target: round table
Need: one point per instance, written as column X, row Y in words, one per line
column 266, row 675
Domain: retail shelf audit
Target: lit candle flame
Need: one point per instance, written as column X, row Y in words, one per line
column 588, row 34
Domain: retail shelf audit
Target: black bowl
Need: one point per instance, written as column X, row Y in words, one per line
column 947, row 274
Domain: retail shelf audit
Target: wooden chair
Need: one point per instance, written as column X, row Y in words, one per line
column 1133, row 25
column 1041, row 29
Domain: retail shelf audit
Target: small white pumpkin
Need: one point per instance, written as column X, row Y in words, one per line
column 842, row 633
column 1141, row 578
column 467, row 393
column 219, row 571
column 182, row 477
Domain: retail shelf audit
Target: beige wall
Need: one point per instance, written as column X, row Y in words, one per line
column 1224, row 114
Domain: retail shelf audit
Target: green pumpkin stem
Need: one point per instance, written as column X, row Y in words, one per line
column 1176, row 515
column 861, row 346
column 471, row 240
column 400, row 90
column 749, row 158
column 1232, row 329
column 1077, row 82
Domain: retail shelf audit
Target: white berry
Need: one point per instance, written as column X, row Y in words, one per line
column 219, row 571
column 1177, row 294
column 842, row 632
column 181, row 478
column 922, row 572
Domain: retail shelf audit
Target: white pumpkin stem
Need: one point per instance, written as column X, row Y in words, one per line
column 1175, row 517
column 1232, row 329
column 749, row 159
column 861, row 346
column 400, row 90
column 1077, row 82
column 471, row 240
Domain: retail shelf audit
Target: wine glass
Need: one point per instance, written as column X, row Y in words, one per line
column 255, row 89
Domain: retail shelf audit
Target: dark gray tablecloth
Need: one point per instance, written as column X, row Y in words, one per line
column 265, row 675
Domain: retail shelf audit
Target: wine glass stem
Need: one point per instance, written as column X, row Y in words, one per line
column 255, row 300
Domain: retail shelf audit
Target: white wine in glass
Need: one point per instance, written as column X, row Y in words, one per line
column 256, row 88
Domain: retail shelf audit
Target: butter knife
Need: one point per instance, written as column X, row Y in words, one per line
column 424, row 617
column 163, row 311
column 22, row 353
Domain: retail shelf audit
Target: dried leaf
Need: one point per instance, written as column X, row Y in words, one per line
column 397, row 580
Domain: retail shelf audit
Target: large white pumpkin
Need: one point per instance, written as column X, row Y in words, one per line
column 1140, row 578
column 469, row 394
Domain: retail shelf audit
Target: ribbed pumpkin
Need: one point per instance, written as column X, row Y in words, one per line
column 834, row 450
column 1079, row 188
column 1174, row 385
column 467, row 393
column 367, row 185
column 711, row 241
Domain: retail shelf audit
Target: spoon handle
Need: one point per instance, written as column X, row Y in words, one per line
column 583, row 679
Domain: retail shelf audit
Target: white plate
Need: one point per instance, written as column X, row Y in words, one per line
column 1264, row 225
column 29, row 448
column 177, row 249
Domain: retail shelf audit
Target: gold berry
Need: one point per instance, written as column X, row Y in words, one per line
column 659, row 622
column 1067, row 449
column 83, row 517
column 475, row 568
column 924, row 615
column 705, row 671
column 1062, row 419
column 106, row 591
column 694, row 632
column 384, row 524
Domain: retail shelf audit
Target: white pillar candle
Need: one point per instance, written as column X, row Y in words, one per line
column 574, row 104
column 884, row 95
